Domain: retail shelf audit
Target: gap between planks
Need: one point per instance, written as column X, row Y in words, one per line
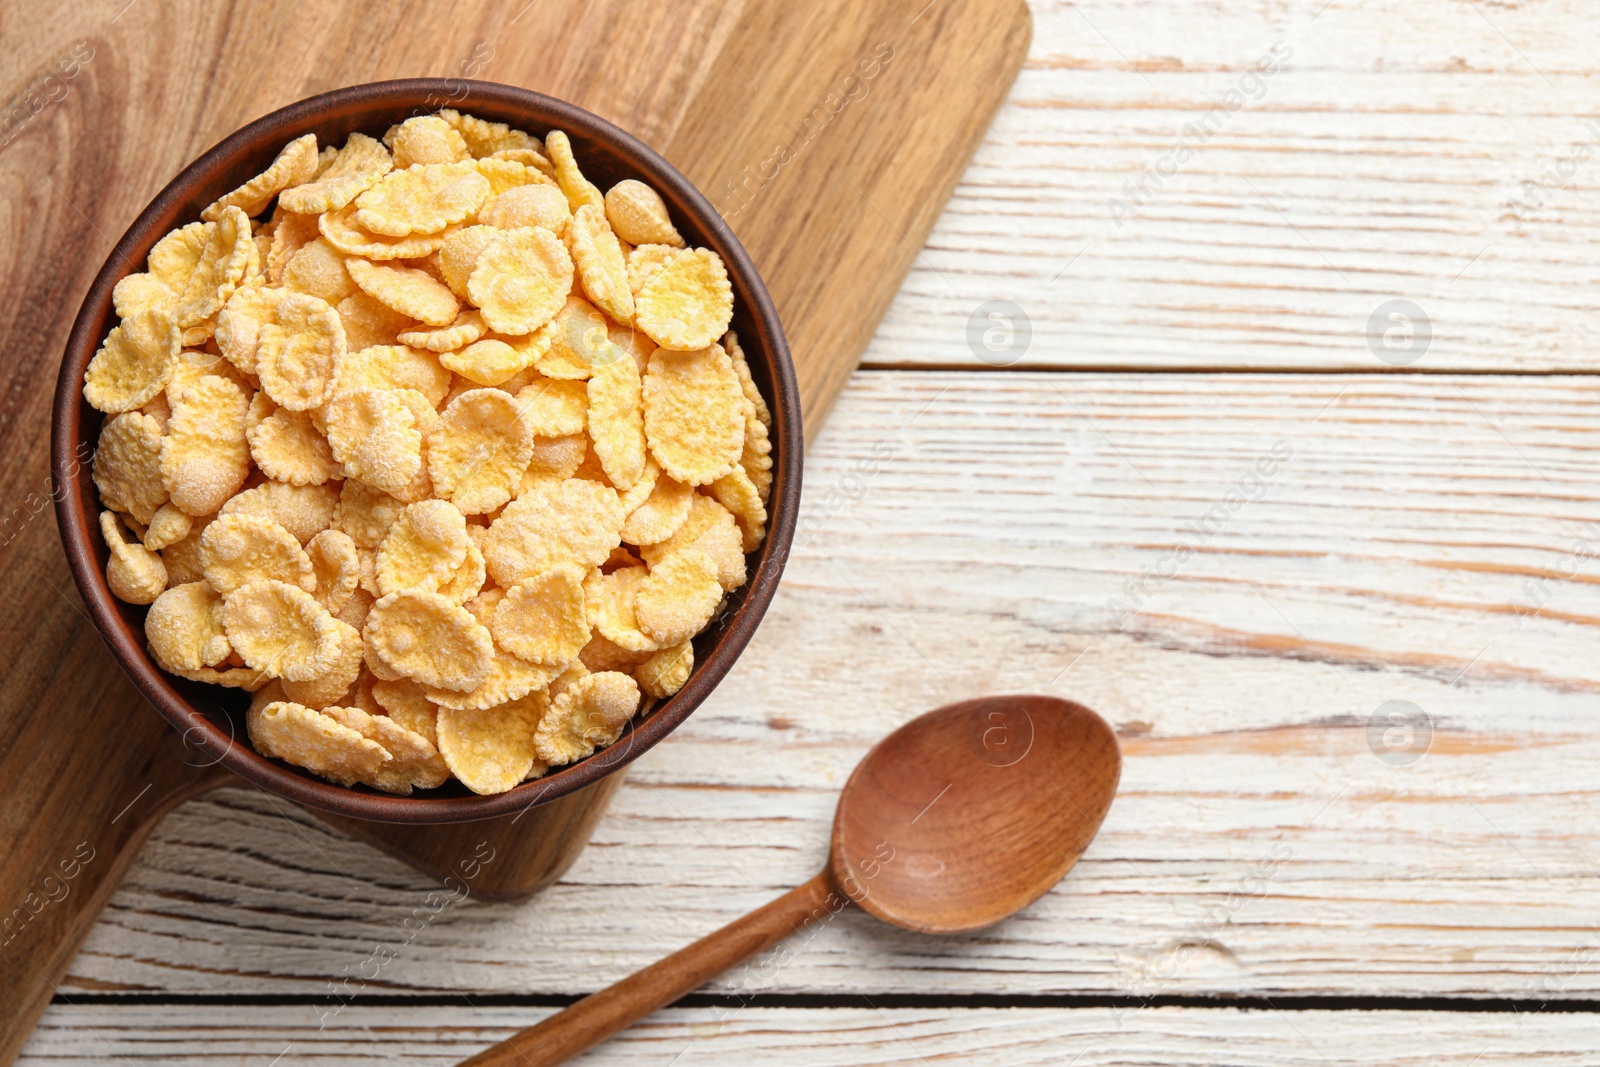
column 1224, row 369
column 832, row 1001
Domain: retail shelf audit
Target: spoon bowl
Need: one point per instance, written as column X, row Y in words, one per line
column 961, row 817
column 969, row 813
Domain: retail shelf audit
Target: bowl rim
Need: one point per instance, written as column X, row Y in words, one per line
column 77, row 517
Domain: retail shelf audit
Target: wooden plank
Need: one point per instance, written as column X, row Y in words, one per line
column 1385, row 159
column 965, row 533
column 104, row 103
column 100, row 1033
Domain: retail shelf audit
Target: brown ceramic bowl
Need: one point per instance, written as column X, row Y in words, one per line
column 212, row 717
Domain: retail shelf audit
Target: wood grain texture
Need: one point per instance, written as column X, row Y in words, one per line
column 1385, row 159
column 1151, row 1037
column 105, row 104
column 608, row 1011
column 968, row 529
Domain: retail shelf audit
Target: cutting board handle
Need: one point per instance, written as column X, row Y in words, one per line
column 52, row 891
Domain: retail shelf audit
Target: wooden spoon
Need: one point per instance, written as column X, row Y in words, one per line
column 960, row 818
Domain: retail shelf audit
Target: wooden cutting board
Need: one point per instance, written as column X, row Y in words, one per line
column 830, row 133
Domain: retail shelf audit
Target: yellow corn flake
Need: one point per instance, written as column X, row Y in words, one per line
column 458, row 255
column 287, row 446
column 170, row 264
column 204, row 455
column 694, row 414
column 489, row 362
column 575, row 672
column 336, row 566
column 427, row 139
column 661, row 514
column 374, row 434
column 591, row 713
column 635, row 495
column 520, row 280
column 431, row 640
column 358, row 167
column 510, row 678
column 554, row 408
column 756, row 458
column 711, row 529
column 333, row 685
column 464, row 329
column 645, row 262
column 409, row 706
column 666, row 671
column 232, row 677
column 306, row 738
column 295, row 164
column 423, row 549
column 415, row 763
column 616, row 418
column 527, row 205
column 507, row 174
column 365, row 513
column 240, row 320
column 688, row 303
column 576, row 337
column 159, row 410
column 747, row 383
column 578, row 189
column 576, row 521
column 639, row 216
column 423, row 199
column 610, row 600
column 184, row 627
column 303, row 510
column 634, row 343
column 173, row 259
column 236, row 550
column 528, row 157
column 482, row 606
column 263, row 239
column 227, row 255
column 602, row 654
column 678, row 598
column 491, row 750
column 554, row 460
column 191, row 366
column 289, row 235
column 468, row 578
column 479, row 450
column 127, row 466
column 355, row 610
column 167, row 527
column 135, row 574
column 736, row 492
column 542, row 619
column 134, row 364
column 318, row 269
column 282, row 630
column 369, row 323
column 394, row 367
column 598, row 260
column 343, row 232
column 297, row 355
column 485, row 138
column 143, row 292
column 182, row 557
column 407, row 290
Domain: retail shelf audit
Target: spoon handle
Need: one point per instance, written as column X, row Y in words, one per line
column 599, row 1015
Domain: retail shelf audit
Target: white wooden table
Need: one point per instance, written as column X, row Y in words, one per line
column 1085, row 521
